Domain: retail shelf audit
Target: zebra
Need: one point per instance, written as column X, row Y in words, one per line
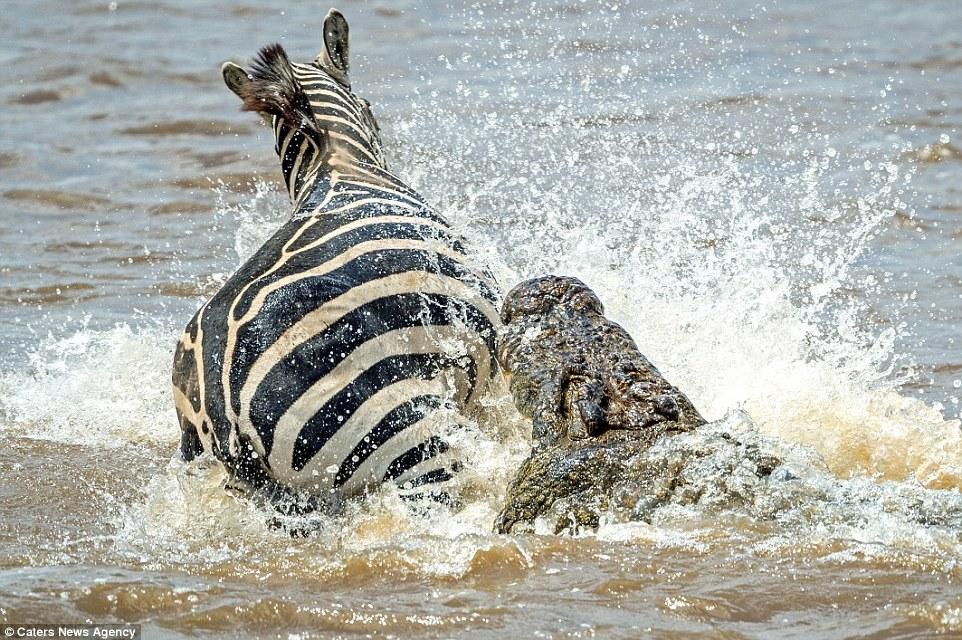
column 322, row 364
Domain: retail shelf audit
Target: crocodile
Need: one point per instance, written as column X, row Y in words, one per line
column 597, row 407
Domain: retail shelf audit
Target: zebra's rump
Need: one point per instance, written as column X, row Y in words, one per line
column 341, row 338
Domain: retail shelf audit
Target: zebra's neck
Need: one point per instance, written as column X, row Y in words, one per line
column 301, row 158
column 341, row 181
column 307, row 167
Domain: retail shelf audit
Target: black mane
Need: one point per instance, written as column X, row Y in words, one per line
column 273, row 89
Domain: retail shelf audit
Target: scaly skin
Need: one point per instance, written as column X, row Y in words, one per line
column 594, row 400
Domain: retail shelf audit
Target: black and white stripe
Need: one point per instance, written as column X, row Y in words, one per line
column 327, row 359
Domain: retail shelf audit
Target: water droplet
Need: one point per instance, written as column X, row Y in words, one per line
column 944, row 138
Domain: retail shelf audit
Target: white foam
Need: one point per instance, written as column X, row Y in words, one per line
column 186, row 516
column 253, row 220
column 733, row 279
column 99, row 388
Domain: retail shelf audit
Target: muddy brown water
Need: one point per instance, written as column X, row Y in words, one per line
column 766, row 194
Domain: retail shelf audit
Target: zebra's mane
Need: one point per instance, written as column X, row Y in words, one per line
column 273, row 89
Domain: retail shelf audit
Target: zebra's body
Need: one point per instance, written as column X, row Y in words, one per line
column 320, row 363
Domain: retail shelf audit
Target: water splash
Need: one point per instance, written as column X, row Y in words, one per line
column 735, row 252
column 96, row 388
column 253, row 219
column 186, row 513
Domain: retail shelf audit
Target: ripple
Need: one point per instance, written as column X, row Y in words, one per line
column 38, row 96
column 50, row 294
column 187, row 127
column 58, row 73
column 58, row 199
column 938, row 63
column 248, row 181
column 153, row 257
column 178, row 207
column 248, row 11
column 217, row 159
column 104, row 79
column 78, row 245
column 181, row 289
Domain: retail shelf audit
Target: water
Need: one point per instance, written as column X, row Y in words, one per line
column 766, row 195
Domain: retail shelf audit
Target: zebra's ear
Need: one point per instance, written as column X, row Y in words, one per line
column 334, row 55
column 235, row 77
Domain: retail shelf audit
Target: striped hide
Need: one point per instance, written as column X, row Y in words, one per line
column 342, row 354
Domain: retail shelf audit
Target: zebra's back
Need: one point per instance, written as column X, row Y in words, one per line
column 327, row 353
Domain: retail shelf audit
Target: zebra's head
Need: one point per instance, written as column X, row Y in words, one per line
column 316, row 117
